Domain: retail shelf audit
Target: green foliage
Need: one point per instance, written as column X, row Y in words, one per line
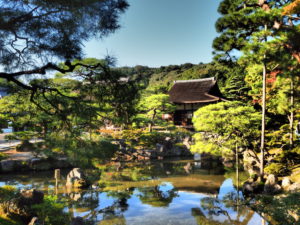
column 21, row 135
column 53, row 28
column 8, row 221
column 139, row 138
column 276, row 168
column 278, row 138
column 223, row 126
column 154, row 106
column 81, row 152
column 51, row 211
column 3, row 156
column 7, row 192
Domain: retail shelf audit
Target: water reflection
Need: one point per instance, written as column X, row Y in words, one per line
column 170, row 192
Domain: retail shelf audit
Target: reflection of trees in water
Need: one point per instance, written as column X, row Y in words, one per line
column 113, row 214
column 83, row 202
column 156, row 197
column 201, row 219
column 211, row 208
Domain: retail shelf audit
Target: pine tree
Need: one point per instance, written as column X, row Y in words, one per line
column 257, row 28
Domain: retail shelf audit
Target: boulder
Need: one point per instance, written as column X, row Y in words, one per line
column 11, row 165
column 35, row 221
column 25, row 146
column 188, row 168
column 7, row 165
column 21, row 205
column 251, row 162
column 286, row 183
column 271, row 185
column 160, row 149
column 248, row 188
column 77, row 179
column 251, row 187
column 295, row 187
column 168, row 143
column 294, row 214
column 187, row 141
column 31, row 197
column 40, row 164
column 271, row 179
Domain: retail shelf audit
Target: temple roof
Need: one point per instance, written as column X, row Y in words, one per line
column 195, row 91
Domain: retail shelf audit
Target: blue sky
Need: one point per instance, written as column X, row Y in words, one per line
column 161, row 32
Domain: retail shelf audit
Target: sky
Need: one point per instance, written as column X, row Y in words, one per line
column 161, row 32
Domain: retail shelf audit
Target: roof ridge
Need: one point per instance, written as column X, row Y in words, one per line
column 194, row 80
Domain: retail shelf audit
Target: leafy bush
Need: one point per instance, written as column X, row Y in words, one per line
column 223, row 126
column 276, row 168
column 2, row 156
column 7, row 192
column 81, row 152
column 51, row 211
column 21, row 135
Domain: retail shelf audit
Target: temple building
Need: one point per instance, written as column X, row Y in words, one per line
column 190, row 95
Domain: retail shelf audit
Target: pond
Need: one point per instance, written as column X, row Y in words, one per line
column 162, row 192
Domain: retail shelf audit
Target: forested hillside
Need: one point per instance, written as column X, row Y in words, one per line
column 230, row 80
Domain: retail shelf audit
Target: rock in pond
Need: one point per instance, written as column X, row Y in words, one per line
column 271, row 185
column 77, row 179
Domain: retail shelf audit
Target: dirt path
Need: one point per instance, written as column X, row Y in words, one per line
column 8, row 147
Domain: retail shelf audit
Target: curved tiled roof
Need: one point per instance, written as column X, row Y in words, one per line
column 195, row 91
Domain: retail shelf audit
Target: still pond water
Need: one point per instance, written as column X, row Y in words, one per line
column 165, row 192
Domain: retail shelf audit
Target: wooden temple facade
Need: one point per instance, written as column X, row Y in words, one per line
column 190, row 95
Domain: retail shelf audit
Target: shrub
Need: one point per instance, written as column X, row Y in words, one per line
column 276, row 168
column 51, row 211
column 2, row 156
column 81, row 152
column 7, row 192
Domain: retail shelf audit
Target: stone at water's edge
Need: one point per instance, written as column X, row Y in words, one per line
column 167, row 148
column 251, row 187
column 7, row 165
column 286, row 183
column 37, row 164
column 30, row 197
column 76, row 178
column 271, row 185
column 25, row 146
column 295, row 187
column 251, row 162
column 21, row 206
column 35, row 221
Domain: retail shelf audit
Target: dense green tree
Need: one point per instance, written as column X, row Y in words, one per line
column 155, row 106
column 224, row 127
column 36, row 34
column 262, row 31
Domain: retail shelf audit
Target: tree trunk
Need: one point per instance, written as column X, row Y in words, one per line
column 152, row 121
column 291, row 119
column 263, row 116
column 45, row 129
column 237, row 173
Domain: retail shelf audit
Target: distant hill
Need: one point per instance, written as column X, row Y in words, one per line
column 163, row 77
